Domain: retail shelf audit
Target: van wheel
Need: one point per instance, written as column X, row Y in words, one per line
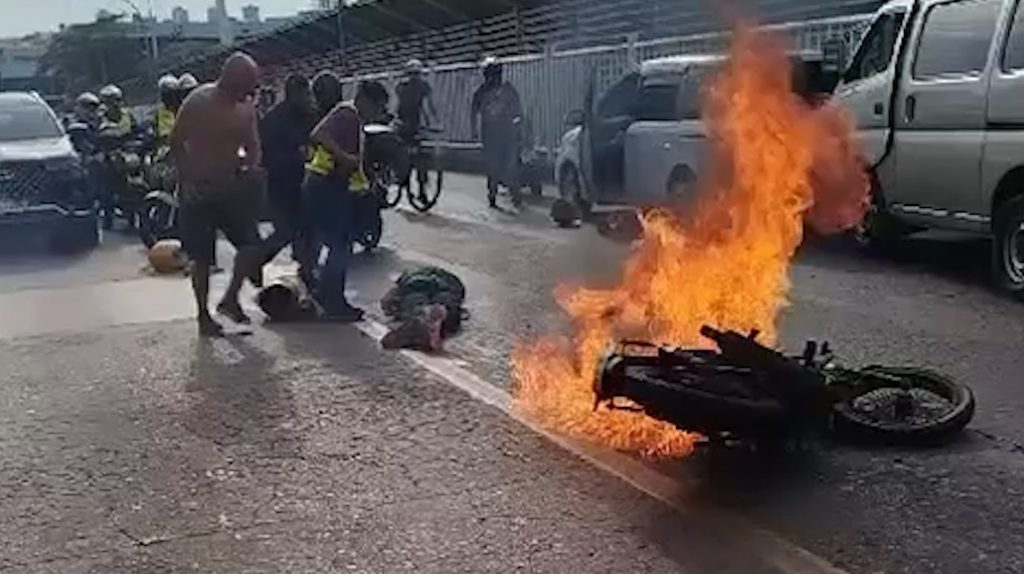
column 571, row 189
column 1008, row 247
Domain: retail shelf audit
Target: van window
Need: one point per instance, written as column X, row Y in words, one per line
column 956, row 38
column 876, row 49
column 1013, row 53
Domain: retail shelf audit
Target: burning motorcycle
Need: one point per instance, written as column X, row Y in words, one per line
column 746, row 393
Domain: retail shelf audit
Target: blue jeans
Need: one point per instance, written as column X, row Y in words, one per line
column 327, row 204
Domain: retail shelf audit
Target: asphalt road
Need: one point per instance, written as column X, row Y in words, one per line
column 129, row 446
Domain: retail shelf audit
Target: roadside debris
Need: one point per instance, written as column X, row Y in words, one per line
column 426, row 305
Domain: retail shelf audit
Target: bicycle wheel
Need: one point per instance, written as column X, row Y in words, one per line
column 428, row 179
column 904, row 405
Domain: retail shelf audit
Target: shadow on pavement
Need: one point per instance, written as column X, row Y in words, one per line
column 962, row 260
column 241, row 399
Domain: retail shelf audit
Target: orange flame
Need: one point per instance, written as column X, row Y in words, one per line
column 775, row 161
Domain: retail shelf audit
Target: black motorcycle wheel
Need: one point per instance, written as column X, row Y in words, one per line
column 427, row 192
column 371, row 234
column 155, row 222
column 694, row 399
column 904, row 405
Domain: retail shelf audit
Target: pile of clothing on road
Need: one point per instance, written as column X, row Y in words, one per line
column 426, row 306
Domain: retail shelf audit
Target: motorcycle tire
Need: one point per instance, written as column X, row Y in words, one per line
column 736, row 406
column 942, row 407
column 370, row 236
column 391, row 195
column 154, row 216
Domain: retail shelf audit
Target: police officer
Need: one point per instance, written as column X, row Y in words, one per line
column 166, row 109
column 114, row 111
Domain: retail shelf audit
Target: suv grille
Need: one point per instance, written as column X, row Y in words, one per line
column 28, row 183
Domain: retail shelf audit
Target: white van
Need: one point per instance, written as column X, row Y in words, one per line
column 642, row 142
column 937, row 91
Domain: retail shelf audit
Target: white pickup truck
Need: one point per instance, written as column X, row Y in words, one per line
column 643, row 140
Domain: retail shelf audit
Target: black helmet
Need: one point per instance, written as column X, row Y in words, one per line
column 491, row 67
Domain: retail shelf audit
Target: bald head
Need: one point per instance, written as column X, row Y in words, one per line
column 239, row 77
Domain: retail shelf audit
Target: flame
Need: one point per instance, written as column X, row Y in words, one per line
column 775, row 162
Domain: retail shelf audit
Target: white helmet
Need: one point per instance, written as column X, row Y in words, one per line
column 87, row 99
column 167, row 83
column 111, row 92
column 187, row 82
column 415, row 66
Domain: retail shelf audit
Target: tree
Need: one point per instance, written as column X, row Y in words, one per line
column 83, row 56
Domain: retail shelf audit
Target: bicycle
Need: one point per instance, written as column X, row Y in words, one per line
column 745, row 393
column 395, row 164
column 425, row 170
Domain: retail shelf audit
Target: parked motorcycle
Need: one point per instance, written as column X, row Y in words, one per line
column 158, row 214
column 382, row 148
column 122, row 181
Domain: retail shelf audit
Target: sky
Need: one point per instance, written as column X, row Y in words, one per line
column 19, row 17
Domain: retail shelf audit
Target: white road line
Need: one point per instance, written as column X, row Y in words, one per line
column 777, row 552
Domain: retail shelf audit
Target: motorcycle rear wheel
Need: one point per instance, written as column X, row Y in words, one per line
column 156, row 222
column 695, row 400
column 370, row 235
column 904, row 405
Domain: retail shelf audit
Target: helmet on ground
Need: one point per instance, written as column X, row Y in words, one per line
column 111, row 92
column 564, row 213
column 167, row 83
column 87, row 100
column 187, row 82
column 167, row 256
column 415, row 66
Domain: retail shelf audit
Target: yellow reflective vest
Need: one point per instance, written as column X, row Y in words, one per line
column 321, row 162
column 164, row 123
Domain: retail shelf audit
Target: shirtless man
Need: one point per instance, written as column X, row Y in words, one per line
column 216, row 122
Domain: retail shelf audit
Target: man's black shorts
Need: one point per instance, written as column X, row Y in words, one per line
column 208, row 207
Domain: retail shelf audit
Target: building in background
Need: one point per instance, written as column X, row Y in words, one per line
column 19, row 64
column 219, row 26
column 250, row 14
column 179, row 15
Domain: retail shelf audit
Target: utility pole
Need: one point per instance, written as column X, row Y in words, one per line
column 154, row 42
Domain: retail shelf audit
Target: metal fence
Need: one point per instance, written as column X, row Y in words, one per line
column 554, row 83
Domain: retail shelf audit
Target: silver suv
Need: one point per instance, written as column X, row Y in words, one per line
column 44, row 189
